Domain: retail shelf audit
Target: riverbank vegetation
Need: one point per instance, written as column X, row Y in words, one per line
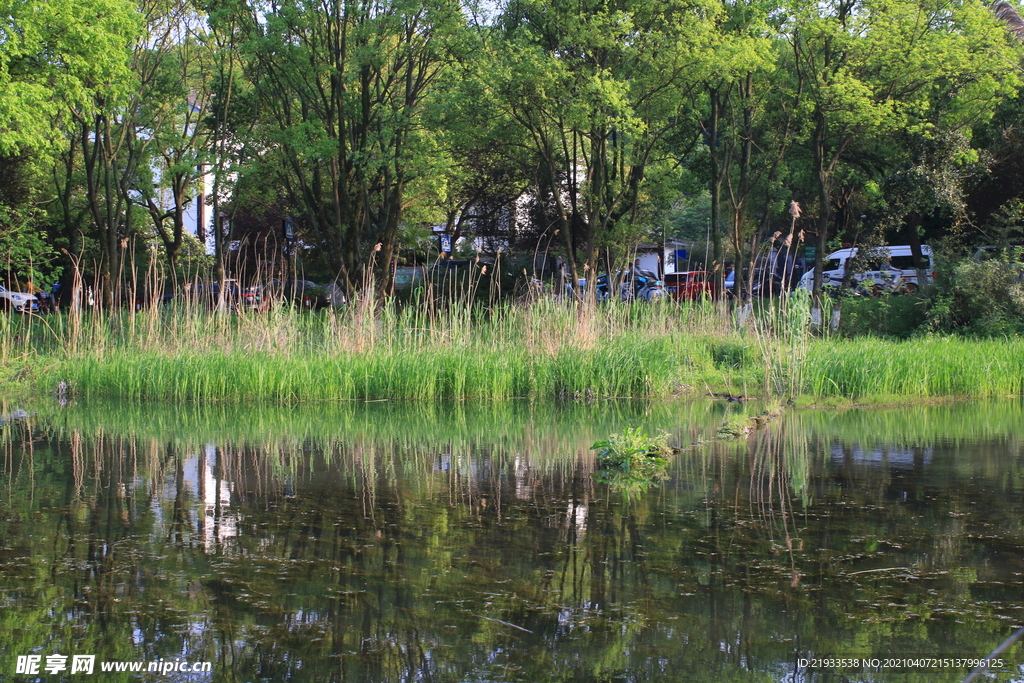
column 547, row 349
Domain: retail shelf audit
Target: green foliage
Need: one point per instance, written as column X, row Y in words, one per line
column 1006, row 227
column 982, row 298
column 546, row 350
column 731, row 354
column 689, row 219
column 925, row 367
column 345, row 88
column 898, row 317
column 883, row 79
column 25, row 250
column 633, row 450
column 549, row 349
column 632, row 460
column 56, row 57
column 736, row 425
column 369, row 124
column 599, row 91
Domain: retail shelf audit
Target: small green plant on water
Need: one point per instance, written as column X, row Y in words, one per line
column 632, row 453
column 734, row 427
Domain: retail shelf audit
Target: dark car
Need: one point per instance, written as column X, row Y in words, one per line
column 764, row 284
column 303, row 293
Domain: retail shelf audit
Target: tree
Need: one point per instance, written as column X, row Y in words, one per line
column 482, row 162
column 234, row 112
column 117, row 139
column 599, row 88
column 172, row 131
column 747, row 130
column 872, row 68
column 55, row 57
column 343, row 85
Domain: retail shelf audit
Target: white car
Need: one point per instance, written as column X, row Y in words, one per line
column 17, row 301
column 899, row 258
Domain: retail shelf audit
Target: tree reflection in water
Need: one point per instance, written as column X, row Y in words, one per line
column 492, row 553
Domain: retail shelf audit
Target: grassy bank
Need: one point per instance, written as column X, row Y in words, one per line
column 543, row 350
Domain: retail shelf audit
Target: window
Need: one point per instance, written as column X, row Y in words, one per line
column 904, row 262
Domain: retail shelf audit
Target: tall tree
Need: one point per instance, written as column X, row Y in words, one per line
column 55, row 58
column 55, row 54
column 117, row 137
column 871, row 68
column 343, row 84
column 173, row 132
column 599, row 87
column 746, row 56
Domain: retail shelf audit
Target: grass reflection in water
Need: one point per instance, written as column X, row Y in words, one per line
column 448, row 544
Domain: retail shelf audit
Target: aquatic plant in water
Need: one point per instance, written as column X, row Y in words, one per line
column 632, row 460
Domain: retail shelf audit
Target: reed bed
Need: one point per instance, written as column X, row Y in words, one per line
column 927, row 367
column 537, row 350
column 541, row 350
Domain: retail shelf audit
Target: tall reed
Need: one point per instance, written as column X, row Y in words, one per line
column 545, row 348
column 548, row 349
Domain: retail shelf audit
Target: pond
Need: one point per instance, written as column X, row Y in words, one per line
column 383, row 542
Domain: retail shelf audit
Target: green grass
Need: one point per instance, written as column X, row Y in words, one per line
column 543, row 350
column 619, row 367
column 926, row 367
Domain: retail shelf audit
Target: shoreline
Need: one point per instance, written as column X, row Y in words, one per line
column 538, row 352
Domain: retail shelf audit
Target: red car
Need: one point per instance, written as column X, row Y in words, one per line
column 691, row 285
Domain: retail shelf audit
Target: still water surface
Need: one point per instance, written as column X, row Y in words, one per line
column 384, row 543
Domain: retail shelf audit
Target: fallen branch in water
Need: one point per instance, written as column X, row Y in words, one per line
column 502, row 622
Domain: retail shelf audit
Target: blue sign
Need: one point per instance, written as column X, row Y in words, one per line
column 446, row 243
column 289, row 228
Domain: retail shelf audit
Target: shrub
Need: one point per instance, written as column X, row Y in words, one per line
column 981, row 298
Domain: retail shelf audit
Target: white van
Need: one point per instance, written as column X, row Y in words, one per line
column 900, row 258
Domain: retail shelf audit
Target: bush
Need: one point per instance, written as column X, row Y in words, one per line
column 981, row 298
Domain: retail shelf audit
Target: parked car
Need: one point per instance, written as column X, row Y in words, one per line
column 690, row 285
column 334, row 295
column 208, row 294
column 643, row 285
column 898, row 258
column 255, row 299
column 764, row 284
column 18, row 301
column 303, row 293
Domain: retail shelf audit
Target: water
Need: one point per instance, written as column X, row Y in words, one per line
column 446, row 543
